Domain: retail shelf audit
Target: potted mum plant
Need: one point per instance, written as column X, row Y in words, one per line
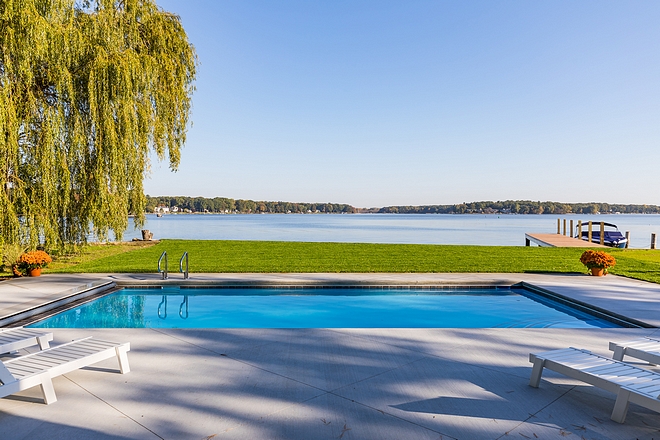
column 597, row 262
column 33, row 262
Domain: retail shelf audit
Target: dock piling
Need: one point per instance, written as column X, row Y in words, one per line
column 602, row 233
column 590, row 232
column 627, row 239
column 653, row 240
column 564, row 226
column 558, row 226
column 579, row 230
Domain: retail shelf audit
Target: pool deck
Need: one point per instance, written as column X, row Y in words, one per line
column 334, row 383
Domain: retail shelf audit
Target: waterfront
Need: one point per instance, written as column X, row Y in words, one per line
column 468, row 229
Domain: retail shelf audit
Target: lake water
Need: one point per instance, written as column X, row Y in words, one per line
column 491, row 229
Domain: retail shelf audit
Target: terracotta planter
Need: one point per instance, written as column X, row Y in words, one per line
column 597, row 271
column 35, row 272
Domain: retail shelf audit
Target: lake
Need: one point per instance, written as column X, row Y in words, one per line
column 477, row 229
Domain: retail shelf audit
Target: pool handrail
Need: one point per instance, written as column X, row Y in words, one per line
column 185, row 273
column 164, row 272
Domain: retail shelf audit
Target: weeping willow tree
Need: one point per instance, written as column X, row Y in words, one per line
column 87, row 90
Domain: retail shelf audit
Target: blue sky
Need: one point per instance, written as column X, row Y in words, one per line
column 377, row 103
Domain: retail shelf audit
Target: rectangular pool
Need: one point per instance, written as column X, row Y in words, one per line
column 186, row 307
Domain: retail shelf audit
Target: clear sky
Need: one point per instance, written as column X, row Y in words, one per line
column 412, row 102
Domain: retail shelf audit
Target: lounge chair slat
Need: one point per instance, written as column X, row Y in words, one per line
column 652, row 391
column 55, row 355
column 585, row 364
column 77, row 351
column 64, row 357
column 644, row 345
column 97, row 343
column 555, row 353
column 35, row 363
column 565, row 355
column 23, row 369
column 632, row 375
column 578, row 360
column 588, row 364
column 646, row 387
column 627, row 381
column 611, row 369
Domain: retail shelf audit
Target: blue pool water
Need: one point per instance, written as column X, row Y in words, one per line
column 322, row 308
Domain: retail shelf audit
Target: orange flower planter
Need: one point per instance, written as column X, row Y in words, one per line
column 597, row 262
column 35, row 272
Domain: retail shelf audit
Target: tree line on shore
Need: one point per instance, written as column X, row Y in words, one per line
column 241, row 206
column 231, row 206
column 523, row 207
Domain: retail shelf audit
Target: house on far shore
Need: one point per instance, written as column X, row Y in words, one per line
column 162, row 209
column 175, row 209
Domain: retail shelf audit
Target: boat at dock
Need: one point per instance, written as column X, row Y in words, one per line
column 612, row 237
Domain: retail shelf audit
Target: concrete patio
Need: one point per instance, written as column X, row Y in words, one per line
column 335, row 383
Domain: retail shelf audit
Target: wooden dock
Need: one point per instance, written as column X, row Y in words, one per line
column 558, row 240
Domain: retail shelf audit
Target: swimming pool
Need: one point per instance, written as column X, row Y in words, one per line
column 189, row 307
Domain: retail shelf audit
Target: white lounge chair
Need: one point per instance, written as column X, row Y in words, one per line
column 646, row 349
column 12, row 339
column 39, row 368
column 628, row 382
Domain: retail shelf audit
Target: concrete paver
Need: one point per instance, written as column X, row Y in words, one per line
column 332, row 417
column 338, row 383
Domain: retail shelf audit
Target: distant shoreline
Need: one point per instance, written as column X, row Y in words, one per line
column 392, row 213
column 223, row 205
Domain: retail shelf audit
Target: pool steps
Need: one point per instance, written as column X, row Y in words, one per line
column 164, row 271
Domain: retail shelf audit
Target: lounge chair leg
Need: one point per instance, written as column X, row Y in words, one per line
column 122, row 357
column 618, row 353
column 43, row 342
column 47, row 389
column 537, row 371
column 621, row 405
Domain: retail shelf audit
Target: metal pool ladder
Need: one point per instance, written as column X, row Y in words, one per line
column 164, row 272
column 185, row 272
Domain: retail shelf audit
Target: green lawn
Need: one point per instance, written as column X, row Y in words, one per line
column 263, row 256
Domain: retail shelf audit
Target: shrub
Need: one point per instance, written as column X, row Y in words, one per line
column 10, row 254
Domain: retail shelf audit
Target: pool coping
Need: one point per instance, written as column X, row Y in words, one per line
column 27, row 311
column 546, row 285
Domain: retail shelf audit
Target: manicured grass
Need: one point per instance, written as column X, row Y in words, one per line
column 260, row 256
column 94, row 252
column 642, row 264
column 264, row 256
